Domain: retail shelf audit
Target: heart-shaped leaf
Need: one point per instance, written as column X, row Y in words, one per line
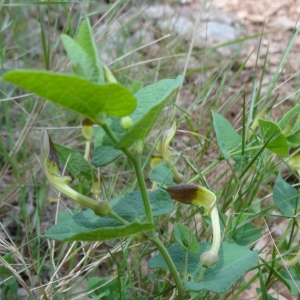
column 76, row 93
column 150, row 102
column 185, row 237
column 233, row 262
column 272, row 136
column 105, row 151
column 285, row 197
column 228, row 139
column 86, row 226
column 162, row 175
column 76, row 165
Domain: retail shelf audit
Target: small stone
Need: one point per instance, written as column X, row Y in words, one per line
column 155, row 12
column 283, row 23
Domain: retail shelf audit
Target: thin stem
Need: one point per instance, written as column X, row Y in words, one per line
column 140, row 178
column 164, row 252
column 136, row 160
column 115, row 216
column 206, row 170
column 202, row 273
column 186, row 255
column 87, row 150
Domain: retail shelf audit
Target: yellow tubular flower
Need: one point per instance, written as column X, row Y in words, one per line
column 162, row 148
column 87, row 132
column 87, row 129
column 50, row 163
column 200, row 196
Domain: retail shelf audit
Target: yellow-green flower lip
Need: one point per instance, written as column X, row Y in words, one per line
column 200, row 196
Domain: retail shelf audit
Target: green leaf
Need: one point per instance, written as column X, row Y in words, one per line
column 162, row 175
column 228, row 139
column 141, row 298
column 105, row 151
column 76, row 164
column 103, row 290
column 233, row 262
column 104, row 155
column 285, row 197
column 293, row 140
column 64, row 215
column 135, row 87
column 86, row 40
column 272, row 136
column 151, row 100
column 246, row 235
column 86, row 226
column 185, row 237
column 82, row 63
column 288, row 116
column 160, row 200
column 287, row 276
column 75, row 93
column 83, row 54
column 9, row 259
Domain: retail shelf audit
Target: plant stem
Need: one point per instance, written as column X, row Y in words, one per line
column 186, row 257
column 140, row 178
column 115, row 216
column 164, row 252
column 87, row 150
column 202, row 273
column 136, row 160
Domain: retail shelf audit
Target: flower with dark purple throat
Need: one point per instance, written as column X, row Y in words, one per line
column 200, row 196
column 50, row 164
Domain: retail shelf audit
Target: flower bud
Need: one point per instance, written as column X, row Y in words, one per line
column 108, row 75
column 87, row 129
column 126, row 123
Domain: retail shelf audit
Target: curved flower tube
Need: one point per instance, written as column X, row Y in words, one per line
column 200, row 196
column 50, row 164
column 162, row 148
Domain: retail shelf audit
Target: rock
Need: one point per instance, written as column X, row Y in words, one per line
column 158, row 12
column 283, row 23
column 214, row 33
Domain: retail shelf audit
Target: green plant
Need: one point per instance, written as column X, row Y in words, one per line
column 126, row 116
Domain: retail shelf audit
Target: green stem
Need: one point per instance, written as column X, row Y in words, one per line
column 186, row 257
column 140, row 178
column 136, row 160
column 115, row 216
column 202, row 273
column 101, row 208
column 232, row 154
column 164, row 252
column 87, row 150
